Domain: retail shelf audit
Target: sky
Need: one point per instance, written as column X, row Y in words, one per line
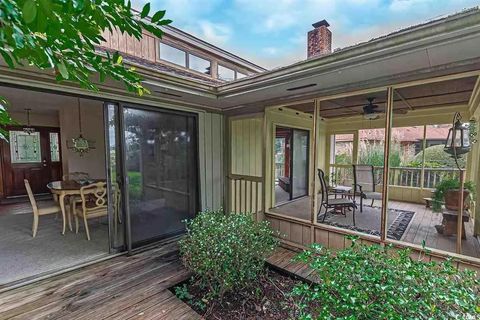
column 272, row 33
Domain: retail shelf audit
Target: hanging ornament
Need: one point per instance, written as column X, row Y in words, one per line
column 28, row 129
column 80, row 144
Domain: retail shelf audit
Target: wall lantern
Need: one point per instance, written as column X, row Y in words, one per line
column 458, row 140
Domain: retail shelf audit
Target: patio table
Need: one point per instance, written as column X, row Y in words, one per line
column 343, row 191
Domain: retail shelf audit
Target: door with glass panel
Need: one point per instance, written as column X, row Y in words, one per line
column 34, row 154
column 160, row 154
column 299, row 163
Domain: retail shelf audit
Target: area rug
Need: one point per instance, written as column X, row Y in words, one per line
column 22, row 256
column 369, row 221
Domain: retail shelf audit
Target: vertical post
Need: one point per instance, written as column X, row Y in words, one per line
column 424, row 146
column 261, row 215
column 314, row 185
column 460, row 212
column 386, row 164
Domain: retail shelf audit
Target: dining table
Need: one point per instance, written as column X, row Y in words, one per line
column 68, row 189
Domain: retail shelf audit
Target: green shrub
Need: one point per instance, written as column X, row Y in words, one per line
column 371, row 282
column 436, row 157
column 446, row 185
column 226, row 252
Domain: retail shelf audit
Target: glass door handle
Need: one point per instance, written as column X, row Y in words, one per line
column 44, row 162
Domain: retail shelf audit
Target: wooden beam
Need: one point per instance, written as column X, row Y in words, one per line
column 386, row 165
column 403, row 99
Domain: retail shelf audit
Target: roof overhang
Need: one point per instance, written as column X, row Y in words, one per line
column 446, row 46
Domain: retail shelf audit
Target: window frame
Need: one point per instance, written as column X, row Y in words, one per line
column 200, row 57
column 224, row 66
column 174, row 47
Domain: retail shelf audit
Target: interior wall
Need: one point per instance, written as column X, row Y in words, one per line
column 92, row 162
column 36, row 119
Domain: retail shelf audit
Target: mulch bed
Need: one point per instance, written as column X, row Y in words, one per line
column 268, row 299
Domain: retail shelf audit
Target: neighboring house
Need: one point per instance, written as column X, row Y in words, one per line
column 204, row 138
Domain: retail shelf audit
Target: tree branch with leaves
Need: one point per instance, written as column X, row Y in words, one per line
column 62, row 36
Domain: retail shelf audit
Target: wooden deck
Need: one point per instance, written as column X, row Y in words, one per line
column 125, row 287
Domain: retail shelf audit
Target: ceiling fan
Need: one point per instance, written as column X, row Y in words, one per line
column 372, row 111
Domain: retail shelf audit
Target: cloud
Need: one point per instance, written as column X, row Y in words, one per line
column 215, row 33
column 273, row 32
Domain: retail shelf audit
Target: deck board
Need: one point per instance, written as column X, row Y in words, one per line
column 125, row 287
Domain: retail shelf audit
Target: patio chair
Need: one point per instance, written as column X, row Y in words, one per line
column 94, row 204
column 333, row 204
column 37, row 212
column 364, row 183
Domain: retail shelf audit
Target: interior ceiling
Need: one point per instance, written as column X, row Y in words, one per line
column 40, row 102
column 439, row 94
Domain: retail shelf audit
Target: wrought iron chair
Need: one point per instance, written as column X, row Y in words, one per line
column 333, row 204
column 364, row 183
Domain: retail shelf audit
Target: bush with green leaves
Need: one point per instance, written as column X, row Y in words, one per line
column 226, row 252
column 374, row 282
column 450, row 184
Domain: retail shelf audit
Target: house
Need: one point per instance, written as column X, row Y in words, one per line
column 205, row 138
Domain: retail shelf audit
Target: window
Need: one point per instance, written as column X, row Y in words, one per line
column 54, row 147
column 173, row 55
column 199, row 64
column 24, row 147
column 241, row 75
column 225, row 73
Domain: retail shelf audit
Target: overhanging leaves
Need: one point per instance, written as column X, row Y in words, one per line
column 62, row 36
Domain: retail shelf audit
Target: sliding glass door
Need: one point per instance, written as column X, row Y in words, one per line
column 160, row 155
column 299, row 163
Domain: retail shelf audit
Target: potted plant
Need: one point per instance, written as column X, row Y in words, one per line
column 447, row 192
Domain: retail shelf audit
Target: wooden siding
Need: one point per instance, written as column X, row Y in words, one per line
column 300, row 234
column 146, row 48
column 211, row 133
column 245, row 168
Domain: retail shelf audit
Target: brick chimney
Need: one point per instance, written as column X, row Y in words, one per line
column 319, row 40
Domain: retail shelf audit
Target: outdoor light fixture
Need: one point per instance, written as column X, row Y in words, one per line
column 80, row 144
column 458, row 139
column 28, row 129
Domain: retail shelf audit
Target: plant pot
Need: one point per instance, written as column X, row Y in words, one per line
column 451, row 198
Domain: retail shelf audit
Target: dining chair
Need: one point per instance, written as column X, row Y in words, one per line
column 94, row 202
column 76, row 176
column 37, row 212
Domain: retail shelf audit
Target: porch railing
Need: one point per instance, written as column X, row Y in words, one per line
column 399, row 176
column 245, row 193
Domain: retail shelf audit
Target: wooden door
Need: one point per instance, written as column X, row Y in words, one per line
column 35, row 157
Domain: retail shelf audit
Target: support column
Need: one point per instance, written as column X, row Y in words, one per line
column 386, row 164
column 313, row 176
